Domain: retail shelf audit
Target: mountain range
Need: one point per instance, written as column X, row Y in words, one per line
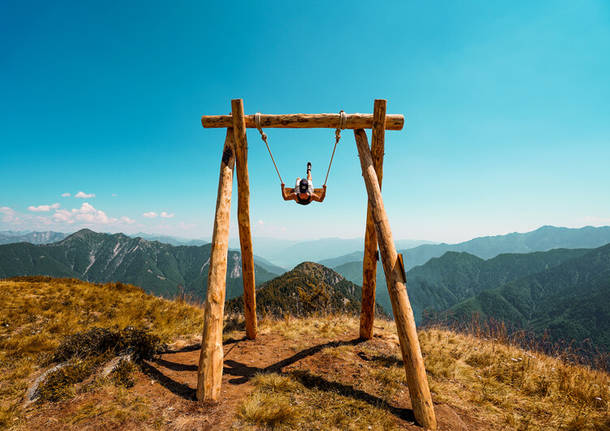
column 99, row 257
column 562, row 290
column 568, row 301
column 279, row 253
column 542, row 239
column 9, row 237
column 564, row 293
column 289, row 254
column 445, row 281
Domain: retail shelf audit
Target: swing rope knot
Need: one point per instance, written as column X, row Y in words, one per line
column 342, row 121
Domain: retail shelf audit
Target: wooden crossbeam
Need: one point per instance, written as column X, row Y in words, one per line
column 306, row 121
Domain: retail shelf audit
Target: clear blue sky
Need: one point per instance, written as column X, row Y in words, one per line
column 507, row 108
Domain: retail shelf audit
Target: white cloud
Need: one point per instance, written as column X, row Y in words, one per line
column 260, row 222
column 86, row 213
column 56, row 218
column 89, row 214
column 83, row 195
column 150, row 214
column 166, row 215
column 114, row 195
column 127, row 220
column 65, row 195
column 43, row 208
column 63, row 216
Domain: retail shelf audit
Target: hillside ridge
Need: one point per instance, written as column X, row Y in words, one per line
column 99, row 257
column 307, row 289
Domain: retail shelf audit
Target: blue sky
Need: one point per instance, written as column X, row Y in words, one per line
column 506, row 104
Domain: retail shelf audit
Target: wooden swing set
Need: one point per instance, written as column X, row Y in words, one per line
column 378, row 233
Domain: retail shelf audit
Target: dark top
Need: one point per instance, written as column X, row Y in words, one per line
column 303, row 201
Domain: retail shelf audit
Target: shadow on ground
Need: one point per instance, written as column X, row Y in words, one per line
column 242, row 373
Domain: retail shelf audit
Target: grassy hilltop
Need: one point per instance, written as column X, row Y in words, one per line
column 301, row 373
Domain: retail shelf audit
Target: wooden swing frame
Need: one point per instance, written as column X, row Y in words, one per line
column 235, row 153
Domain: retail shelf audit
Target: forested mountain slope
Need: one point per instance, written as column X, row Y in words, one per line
column 307, row 289
column 159, row 268
column 571, row 301
column 454, row 277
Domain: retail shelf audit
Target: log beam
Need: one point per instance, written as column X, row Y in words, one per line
column 421, row 401
column 369, row 263
column 305, row 121
column 243, row 215
column 209, row 373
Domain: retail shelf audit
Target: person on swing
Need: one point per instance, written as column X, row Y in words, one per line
column 303, row 192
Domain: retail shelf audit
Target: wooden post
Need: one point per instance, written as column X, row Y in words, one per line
column 369, row 263
column 243, row 216
column 417, row 381
column 209, row 373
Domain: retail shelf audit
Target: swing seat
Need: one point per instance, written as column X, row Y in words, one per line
column 290, row 190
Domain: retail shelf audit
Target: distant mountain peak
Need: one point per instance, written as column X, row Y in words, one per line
column 318, row 272
column 308, row 265
column 83, row 233
column 308, row 288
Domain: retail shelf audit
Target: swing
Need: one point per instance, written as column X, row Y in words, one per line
column 318, row 191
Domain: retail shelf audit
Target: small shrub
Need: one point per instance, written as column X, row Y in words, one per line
column 140, row 344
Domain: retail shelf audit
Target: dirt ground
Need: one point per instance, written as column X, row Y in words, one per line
column 165, row 389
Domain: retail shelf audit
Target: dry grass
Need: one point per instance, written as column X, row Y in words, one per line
column 514, row 388
column 39, row 312
column 343, row 386
column 491, row 382
column 284, row 403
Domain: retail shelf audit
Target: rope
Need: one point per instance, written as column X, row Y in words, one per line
column 257, row 121
column 342, row 121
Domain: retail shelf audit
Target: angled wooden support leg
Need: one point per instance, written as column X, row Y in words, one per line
column 209, row 373
column 369, row 263
column 417, row 381
column 243, row 216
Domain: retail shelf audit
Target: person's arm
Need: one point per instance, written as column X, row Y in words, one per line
column 287, row 194
column 319, row 198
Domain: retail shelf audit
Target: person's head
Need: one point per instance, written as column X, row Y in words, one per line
column 303, row 186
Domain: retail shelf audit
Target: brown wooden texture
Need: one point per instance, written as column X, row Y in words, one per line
column 209, row 373
column 304, row 121
column 243, row 216
column 417, row 381
column 369, row 263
